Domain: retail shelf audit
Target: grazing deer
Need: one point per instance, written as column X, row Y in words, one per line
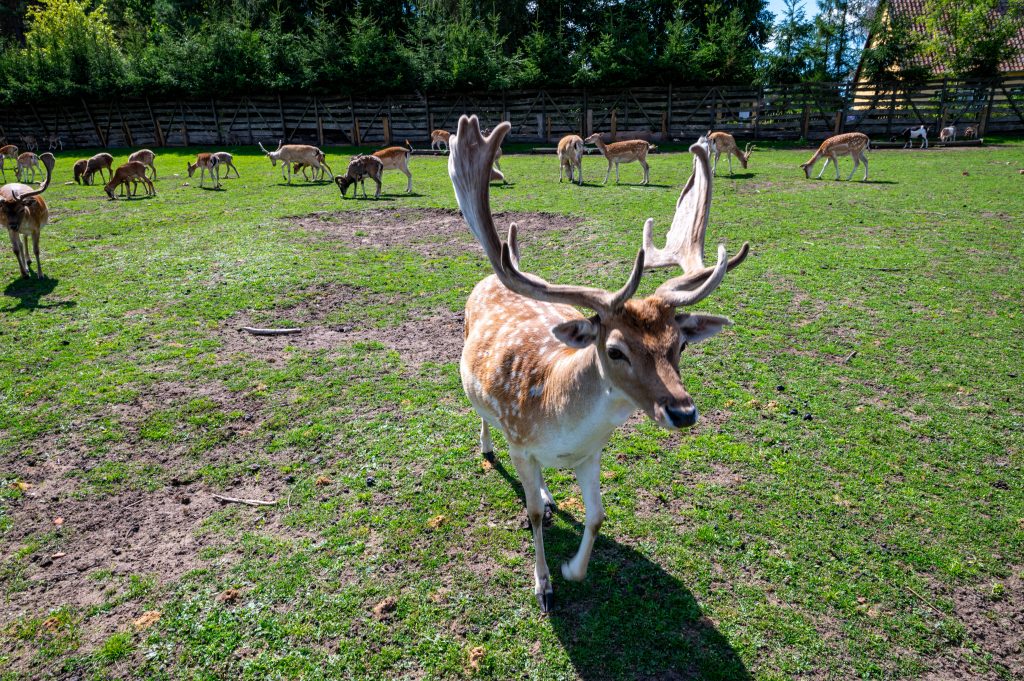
column 911, row 134
column 30, row 142
column 570, row 157
column 204, row 162
column 556, row 383
column 97, row 164
column 397, row 158
column 8, row 151
column 27, row 161
column 623, row 152
column 24, row 213
column 79, row 170
column 724, row 143
column 134, row 172
column 970, row 133
column 146, row 158
column 438, row 139
column 948, row 134
column 296, row 153
column 53, row 141
column 226, row 160
column 360, row 168
column 852, row 143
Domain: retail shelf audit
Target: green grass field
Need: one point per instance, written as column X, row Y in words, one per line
column 851, row 504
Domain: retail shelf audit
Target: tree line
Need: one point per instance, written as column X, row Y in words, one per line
column 103, row 48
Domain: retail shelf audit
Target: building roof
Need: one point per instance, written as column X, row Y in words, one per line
column 914, row 10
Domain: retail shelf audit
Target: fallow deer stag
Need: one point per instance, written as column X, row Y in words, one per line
column 724, row 143
column 8, row 151
column 288, row 154
column 570, row 157
column 852, row 143
column 133, row 172
column 623, row 152
column 24, row 213
column 556, row 383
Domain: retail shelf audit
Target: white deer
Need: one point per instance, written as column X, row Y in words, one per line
column 556, row 383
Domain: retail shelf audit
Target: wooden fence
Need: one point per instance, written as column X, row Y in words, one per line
column 808, row 111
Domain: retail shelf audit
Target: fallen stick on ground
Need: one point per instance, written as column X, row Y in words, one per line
column 269, row 332
column 850, row 356
column 247, row 502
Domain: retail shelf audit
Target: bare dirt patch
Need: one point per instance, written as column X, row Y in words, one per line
column 427, row 231
column 426, row 336
column 993, row 615
column 89, row 541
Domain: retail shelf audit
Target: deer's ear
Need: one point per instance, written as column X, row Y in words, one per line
column 578, row 333
column 697, row 327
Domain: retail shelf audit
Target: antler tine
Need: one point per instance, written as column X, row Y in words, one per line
column 684, row 245
column 469, row 166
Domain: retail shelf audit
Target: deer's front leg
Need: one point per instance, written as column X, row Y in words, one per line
column 529, row 475
column 588, row 475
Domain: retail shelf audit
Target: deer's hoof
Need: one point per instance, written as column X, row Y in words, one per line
column 546, row 601
column 490, row 458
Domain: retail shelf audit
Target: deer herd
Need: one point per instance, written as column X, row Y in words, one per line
column 555, row 382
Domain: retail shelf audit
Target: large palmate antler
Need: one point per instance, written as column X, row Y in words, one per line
column 469, row 166
column 684, row 245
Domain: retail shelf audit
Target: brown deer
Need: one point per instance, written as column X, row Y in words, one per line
column 438, row 139
column 27, row 161
column 204, row 162
column 81, row 165
column 623, row 152
column 53, row 141
column 289, row 154
column 146, row 158
column 852, row 143
column 97, row 164
column 970, row 133
column 30, row 142
column 397, row 158
column 359, row 168
column 8, row 151
column 724, row 143
column 24, row 213
column 557, row 383
column 134, row 172
column 570, row 157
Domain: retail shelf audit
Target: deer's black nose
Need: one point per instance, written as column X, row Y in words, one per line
column 681, row 417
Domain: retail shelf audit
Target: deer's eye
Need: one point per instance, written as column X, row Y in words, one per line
column 617, row 355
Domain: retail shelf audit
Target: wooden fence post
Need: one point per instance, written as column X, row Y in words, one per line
column 355, row 132
column 284, row 128
column 983, row 124
column 615, row 123
column 99, row 133
column 386, row 123
column 184, row 124
column 585, row 115
column 319, row 122
column 216, row 120
column 806, row 123
column 668, row 115
column 589, row 129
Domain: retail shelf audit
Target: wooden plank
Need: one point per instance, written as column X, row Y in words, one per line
column 99, row 135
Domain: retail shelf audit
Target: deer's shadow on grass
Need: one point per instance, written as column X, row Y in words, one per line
column 734, row 176
column 30, row 291
column 629, row 618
